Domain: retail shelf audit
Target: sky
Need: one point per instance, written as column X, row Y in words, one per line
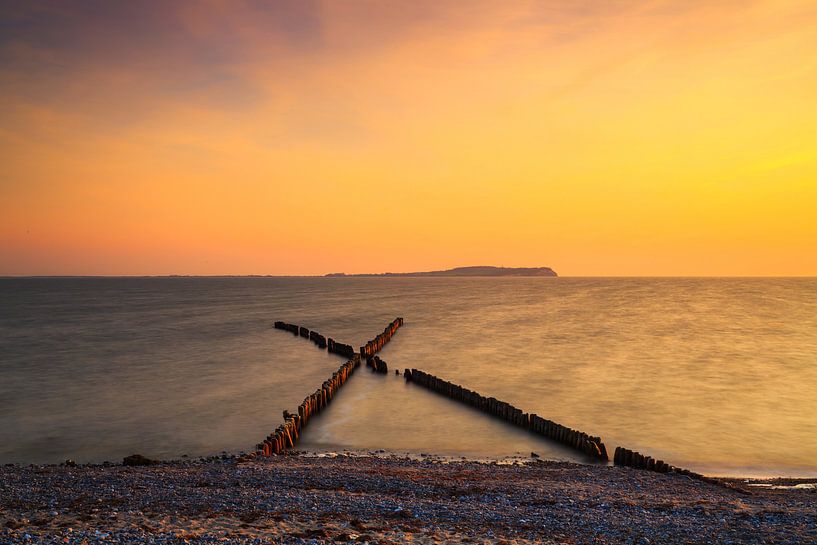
column 609, row 138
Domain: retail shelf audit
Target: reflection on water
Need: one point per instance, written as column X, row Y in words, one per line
column 717, row 375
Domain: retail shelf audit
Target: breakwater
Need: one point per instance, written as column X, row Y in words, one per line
column 377, row 365
column 292, row 328
column 287, row 434
column 341, row 349
column 375, row 345
column 629, row 458
column 314, row 336
column 318, row 339
column 592, row 446
column 368, row 350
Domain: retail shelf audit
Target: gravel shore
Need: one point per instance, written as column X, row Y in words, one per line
column 297, row 499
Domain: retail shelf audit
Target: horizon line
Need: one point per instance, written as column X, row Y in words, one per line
column 387, row 275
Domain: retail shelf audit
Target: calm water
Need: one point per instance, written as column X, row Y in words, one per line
column 718, row 375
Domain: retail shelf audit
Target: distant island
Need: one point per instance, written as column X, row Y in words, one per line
column 468, row 271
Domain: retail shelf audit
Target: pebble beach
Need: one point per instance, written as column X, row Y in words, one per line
column 388, row 498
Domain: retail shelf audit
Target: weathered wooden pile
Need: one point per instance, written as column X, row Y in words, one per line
column 344, row 350
column 375, row 345
column 287, row 434
column 590, row 445
column 292, row 328
column 629, row 458
column 318, row 339
column 377, row 365
column 297, row 330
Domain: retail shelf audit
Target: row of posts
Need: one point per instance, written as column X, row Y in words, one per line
column 375, row 345
column 377, row 365
column 292, row 328
column 320, row 341
column 629, row 458
column 341, row 349
column 587, row 444
column 314, row 336
column 368, row 350
column 287, row 434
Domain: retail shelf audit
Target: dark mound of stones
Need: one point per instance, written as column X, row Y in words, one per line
column 137, row 460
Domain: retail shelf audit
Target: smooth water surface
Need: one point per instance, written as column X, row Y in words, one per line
column 718, row 375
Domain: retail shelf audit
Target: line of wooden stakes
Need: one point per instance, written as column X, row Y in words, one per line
column 286, row 435
column 375, row 345
column 584, row 443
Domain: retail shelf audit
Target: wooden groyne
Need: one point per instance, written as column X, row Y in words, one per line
column 590, row 445
column 375, row 345
column 314, row 336
column 629, row 458
column 377, row 365
column 287, row 434
column 292, row 328
column 368, row 350
column 344, row 350
column 318, row 339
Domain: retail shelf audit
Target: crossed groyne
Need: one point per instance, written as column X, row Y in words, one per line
column 286, row 435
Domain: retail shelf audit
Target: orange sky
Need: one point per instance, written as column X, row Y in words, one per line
column 598, row 138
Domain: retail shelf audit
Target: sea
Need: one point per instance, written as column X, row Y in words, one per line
column 718, row 375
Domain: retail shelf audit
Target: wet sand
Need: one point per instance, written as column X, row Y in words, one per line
column 392, row 499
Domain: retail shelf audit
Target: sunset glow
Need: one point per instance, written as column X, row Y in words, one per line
column 597, row 138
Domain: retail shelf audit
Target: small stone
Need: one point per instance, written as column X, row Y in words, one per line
column 137, row 460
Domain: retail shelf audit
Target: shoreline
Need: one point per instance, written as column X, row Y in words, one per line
column 357, row 497
column 313, row 451
column 411, row 455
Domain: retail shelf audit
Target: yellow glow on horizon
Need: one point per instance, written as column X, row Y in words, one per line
column 653, row 139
